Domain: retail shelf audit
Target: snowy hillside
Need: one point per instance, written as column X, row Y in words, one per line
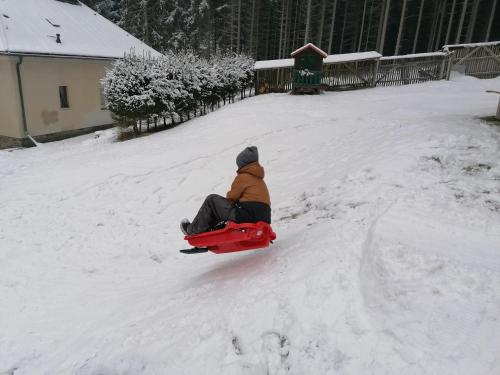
column 386, row 203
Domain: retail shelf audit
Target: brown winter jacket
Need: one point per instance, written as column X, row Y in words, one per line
column 249, row 185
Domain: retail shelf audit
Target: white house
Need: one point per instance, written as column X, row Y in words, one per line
column 53, row 54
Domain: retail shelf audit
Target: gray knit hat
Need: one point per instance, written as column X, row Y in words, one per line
column 247, row 156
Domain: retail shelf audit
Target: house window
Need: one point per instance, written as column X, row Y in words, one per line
column 63, row 96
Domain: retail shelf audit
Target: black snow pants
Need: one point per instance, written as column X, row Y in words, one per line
column 216, row 209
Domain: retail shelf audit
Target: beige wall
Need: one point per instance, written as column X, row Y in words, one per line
column 10, row 109
column 41, row 78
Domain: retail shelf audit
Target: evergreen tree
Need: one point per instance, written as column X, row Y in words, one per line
column 270, row 29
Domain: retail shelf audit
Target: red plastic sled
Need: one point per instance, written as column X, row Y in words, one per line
column 233, row 237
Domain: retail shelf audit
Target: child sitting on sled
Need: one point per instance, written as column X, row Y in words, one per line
column 247, row 202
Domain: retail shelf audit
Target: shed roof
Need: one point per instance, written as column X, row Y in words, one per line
column 346, row 57
column 309, row 46
column 331, row 59
column 273, row 64
column 30, row 27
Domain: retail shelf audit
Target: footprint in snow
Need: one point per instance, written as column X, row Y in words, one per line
column 276, row 349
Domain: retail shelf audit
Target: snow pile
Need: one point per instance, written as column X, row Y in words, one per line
column 386, row 203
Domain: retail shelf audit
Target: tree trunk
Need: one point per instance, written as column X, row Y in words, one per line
column 308, row 21
column 332, row 27
column 450, row 22
column 369, row 30
column 488, row 30
column 252, row 22
column 256, row 33
column 231, row 27
column 238, row 34
column 385, row 16
column 344, row 22
column 419, row 20
column 268, row 34
column 145, row 24
column 441, row 21
column 472, row 22
column 401, row 28
column 321, row 23
column 294, row 39
column 362, row 26
column 435, row 21
column 286, row 50
column 461, row 24
column 280, row 50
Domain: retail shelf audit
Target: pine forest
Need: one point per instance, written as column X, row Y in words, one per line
column 271, row 29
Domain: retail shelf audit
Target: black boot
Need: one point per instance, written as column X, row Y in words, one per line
column 185, row 223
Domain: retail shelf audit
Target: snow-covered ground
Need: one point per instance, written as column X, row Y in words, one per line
column 386, row 203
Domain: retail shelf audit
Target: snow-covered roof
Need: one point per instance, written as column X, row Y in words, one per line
column 273, row 64
column 471, row 45
column 31, row 27
column 330, row 59
column 414, row 56
column 346, row 57
column 311, row 46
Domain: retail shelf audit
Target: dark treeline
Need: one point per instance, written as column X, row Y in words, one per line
column 271, row 29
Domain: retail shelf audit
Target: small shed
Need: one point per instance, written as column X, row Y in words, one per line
column 307, row 70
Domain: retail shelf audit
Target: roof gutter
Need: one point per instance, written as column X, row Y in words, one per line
column 21, row 96
column 80, row 57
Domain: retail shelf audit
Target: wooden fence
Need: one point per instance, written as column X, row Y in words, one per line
column 273, row 80
column 344, row 75
column 481, row 60
column 349, row 75
column 409, row 69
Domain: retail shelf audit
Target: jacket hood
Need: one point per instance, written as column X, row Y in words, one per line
column 255, row 169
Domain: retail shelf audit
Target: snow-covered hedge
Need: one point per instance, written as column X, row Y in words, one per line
column 141, row 88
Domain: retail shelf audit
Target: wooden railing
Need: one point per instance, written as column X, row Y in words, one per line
column 409, row 69
column 388, row 71
column 351, row 75
column 273, row 80
column 481, row 60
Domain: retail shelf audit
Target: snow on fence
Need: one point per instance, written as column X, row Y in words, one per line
column 350, row 70
column 481, row 60
column 409, row 69
column 349, row 75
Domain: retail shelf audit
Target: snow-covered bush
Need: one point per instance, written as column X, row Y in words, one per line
column 246, row 73
column 183, row 69
column 128, row 89
column 235, row 73
column 141, row 88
